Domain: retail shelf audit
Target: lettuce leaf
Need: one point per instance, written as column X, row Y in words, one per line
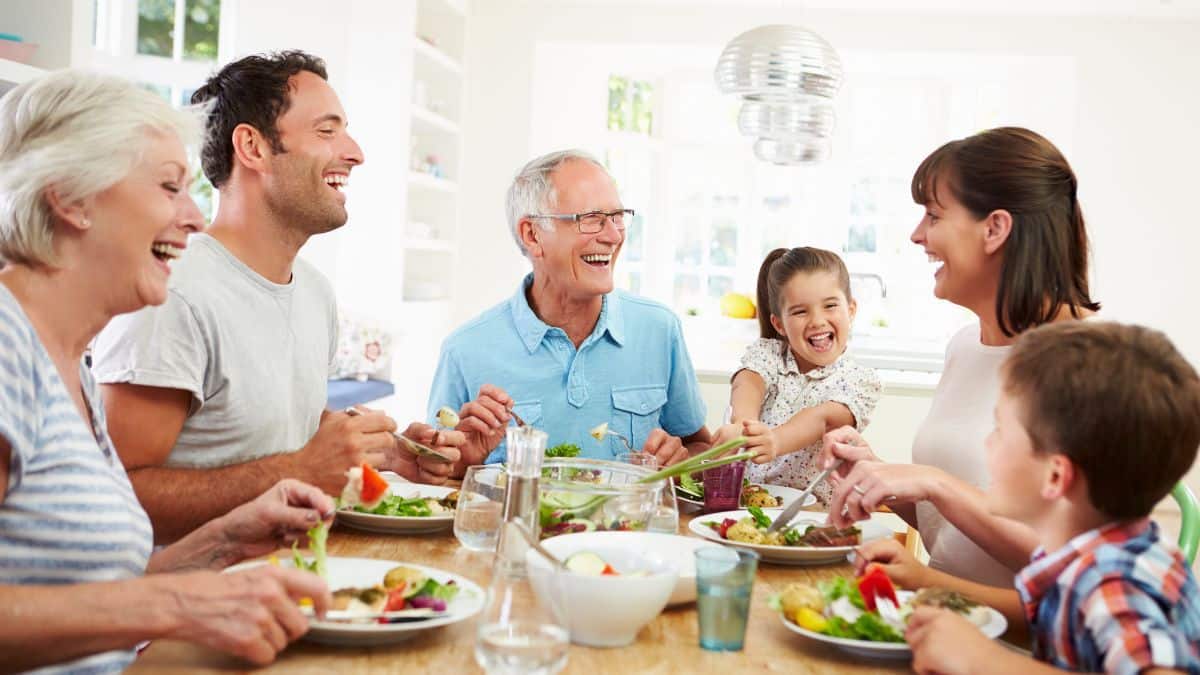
column 316, row 544
column 842, row 587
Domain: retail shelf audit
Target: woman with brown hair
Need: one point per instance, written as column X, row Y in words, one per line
column 1004, row 225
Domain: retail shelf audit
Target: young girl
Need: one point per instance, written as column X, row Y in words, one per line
column 795, row 383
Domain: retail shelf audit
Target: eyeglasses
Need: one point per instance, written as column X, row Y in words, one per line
column 592, row 222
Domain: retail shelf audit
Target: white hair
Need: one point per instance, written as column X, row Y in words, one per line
column 532, row 192
column 79, row 133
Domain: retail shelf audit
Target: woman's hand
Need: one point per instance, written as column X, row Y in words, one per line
column 902, row 567
column 275, row 519
column 252, row 614
column 870, row 484
column 846, row 444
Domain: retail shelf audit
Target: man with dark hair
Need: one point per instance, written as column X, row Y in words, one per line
column 218, row 393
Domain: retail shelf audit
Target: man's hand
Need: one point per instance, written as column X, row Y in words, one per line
column 428, row 469
column 343, row 441
column 275, row 519
column 252, row 614
column 483, row 422
column 667, row 449
column 945, row 643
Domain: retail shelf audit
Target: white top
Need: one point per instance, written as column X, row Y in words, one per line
column 789, row 391
column 69, row 514
column 255, row 355
column 952, row 439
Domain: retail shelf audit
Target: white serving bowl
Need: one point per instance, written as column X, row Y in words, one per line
column 673, row 548
column 607, row 611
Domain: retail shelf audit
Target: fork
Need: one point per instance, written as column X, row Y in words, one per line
column 625, row 441
column 517, row 418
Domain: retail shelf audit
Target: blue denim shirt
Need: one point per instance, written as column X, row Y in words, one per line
column 633, row 372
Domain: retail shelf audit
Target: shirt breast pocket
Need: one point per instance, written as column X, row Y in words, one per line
column 636, row 411
column 530, row 410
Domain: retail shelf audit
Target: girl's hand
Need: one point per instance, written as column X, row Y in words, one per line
column 946, row 643
column 727, row 432
column 901, row 566
column 761, row 439
column 871, row 483
column 846, row 444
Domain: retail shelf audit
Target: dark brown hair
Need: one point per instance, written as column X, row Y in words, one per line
column 1119, row 401
column 1045, row 264
column 252, row 90
column 780, row 266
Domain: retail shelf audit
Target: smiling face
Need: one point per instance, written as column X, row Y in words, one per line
column 1017, row 471
column 954, row 240
column 579, row 265
column 304, row 182
column 142, row 223
column 815, row 316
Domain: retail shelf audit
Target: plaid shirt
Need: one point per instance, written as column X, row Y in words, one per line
column 1115, row 600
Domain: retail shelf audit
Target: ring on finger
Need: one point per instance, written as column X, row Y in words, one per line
column 858, row 489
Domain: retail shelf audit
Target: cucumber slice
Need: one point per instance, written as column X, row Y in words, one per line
column 586, row 562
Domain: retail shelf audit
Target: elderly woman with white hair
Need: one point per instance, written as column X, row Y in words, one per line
column 93, row 207
column 567, row 351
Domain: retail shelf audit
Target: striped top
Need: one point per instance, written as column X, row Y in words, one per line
column 69, row 514
column 1115, row 599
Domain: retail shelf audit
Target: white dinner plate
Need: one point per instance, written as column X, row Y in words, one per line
column 364, row 572
column 994, row 626
column 673, row 548
column 371, row 522
column 874, row 528
column 787, row 494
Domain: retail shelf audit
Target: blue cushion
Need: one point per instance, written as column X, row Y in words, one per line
column 345, row 393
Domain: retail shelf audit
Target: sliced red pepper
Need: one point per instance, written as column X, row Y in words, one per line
column 396, row 600
column 874, row 583
column 373, row 485
column 608, row 571
column 725, row 525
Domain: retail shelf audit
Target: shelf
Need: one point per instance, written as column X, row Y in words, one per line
column 443, row 245
column 424, row 180
column 16, row 73
column 434, row 120
column 437, row 56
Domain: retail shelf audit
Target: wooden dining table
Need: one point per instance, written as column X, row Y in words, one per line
column 669, row 644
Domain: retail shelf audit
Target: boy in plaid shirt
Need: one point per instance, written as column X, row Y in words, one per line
column 1095, row 424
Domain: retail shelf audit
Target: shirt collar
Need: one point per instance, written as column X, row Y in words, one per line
column 1044, row 570
column 791, row 368
column 532, row 329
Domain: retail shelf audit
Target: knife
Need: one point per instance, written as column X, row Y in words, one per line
column 790, row 512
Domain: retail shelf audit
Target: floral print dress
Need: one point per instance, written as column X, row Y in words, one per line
column 789, row 391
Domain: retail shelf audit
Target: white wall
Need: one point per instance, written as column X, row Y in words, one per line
column 1133, row 147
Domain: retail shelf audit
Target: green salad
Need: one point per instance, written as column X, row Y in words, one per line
column 412, row 507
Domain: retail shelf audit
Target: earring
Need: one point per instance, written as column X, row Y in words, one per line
column 87, row 222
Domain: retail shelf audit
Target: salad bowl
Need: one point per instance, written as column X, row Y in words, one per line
column 585, row 495
column 606, row 609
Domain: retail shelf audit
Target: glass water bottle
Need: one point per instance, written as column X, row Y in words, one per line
column 522, row 628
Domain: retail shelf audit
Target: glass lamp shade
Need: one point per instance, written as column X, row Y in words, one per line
column 805, row 119
column 779, row 63
column 791, row 152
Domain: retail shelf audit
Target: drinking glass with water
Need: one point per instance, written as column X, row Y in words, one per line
column 480, row 506
column 724, row 582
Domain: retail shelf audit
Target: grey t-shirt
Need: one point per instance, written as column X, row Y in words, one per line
column 255, row 355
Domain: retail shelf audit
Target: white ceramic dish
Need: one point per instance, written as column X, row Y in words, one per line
column 361, row 572
column 993, row 627
column 606, row 611
column 875, row 528
column 672, row 547
column 787, row 494
column 371, row 522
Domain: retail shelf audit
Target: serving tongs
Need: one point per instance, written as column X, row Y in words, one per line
column 409, row 444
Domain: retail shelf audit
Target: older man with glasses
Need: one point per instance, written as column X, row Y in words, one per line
column 567, row 352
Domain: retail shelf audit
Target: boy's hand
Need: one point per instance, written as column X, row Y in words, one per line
column 945, row 643
column 901, row 566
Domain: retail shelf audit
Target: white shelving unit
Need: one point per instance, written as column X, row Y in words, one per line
column 13, row 73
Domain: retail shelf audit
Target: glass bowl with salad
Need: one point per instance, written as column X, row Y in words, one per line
column 584, row 495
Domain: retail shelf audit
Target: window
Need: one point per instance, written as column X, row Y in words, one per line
column 168, row 47
column 709, row 211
